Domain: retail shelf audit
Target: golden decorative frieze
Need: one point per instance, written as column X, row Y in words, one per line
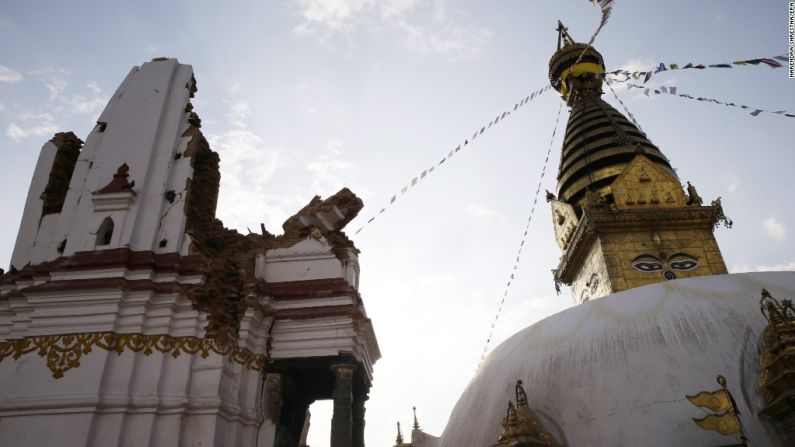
column 63, row 352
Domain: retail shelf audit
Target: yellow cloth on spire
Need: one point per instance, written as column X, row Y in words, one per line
column 576, row 70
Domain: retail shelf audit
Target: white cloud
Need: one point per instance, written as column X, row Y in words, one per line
column 49, row 70
column 82, row 105
column 18, row 133
column 75, row 104
column 449, row 40
column 481, row 212
column 732, row 182
column 238, row 113
column 332, row 171
column 94, row 88
column 774, row 228
column 328, row 174
column 28, row 116
column 745, row 267
column 247, row 167
column 9, row 75
column 56, row 87
column 422, row 26
column 394, row 8
column 638, row 64
column 335, row 15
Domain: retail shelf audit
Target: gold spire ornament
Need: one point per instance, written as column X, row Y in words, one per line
column 718, row 400
column 399, row 437
column 777, row 365
column 521, row 427
column 727, row 421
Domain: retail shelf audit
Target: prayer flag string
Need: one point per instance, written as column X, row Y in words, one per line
column 467, row 142
column 670, row 90
column 524, row 238
column 606, row 6
column 626, row 109
column 615, row 76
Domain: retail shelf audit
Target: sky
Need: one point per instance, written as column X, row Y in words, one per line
column 303, row 97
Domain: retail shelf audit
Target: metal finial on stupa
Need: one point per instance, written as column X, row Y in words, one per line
column 521, row 396
column 416, row 424
column 563, row 35
column 399, row 438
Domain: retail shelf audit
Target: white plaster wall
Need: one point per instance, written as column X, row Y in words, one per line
column 327, row 336
column 130, row 399
column 145, row 121
column 615, row 371
column 306, row 260
column 31, row 216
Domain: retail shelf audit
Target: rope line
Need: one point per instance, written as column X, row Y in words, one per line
column 626, row 109
column 772, row 62
column 606, row 6
column 467, row 142
column 524, row 238
column 671, row 90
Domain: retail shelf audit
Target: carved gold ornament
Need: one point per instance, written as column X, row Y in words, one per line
column 521, row 426
column 726, row 417
column 777, row 363
column 63, row 352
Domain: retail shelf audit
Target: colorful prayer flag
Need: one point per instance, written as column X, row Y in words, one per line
column 771, row 63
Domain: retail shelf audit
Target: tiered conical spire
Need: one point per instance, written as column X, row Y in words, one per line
column 621, row 216
column 600, row 141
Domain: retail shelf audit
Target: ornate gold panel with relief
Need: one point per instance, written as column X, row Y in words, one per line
column 643, row 184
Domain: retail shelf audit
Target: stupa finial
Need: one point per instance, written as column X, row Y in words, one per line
column 563, row 35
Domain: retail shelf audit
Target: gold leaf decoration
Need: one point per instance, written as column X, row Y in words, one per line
column 63, row 352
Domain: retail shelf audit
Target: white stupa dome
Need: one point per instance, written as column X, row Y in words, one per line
column 615, row 371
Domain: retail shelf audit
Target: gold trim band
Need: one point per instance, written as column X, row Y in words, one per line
column 63, row 352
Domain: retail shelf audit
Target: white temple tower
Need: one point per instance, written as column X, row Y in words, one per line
column 131, row 316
